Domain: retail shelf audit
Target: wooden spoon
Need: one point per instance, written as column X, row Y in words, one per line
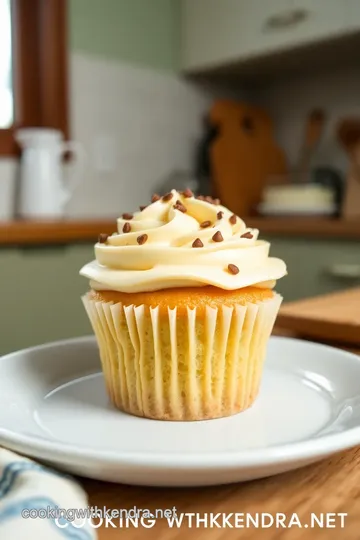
column 313, row 131
column 348, row 132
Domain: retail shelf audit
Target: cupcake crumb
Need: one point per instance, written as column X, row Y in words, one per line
column 205, row 224
column 233, row 269
column 218, row 237
column 103, row 238
column 233, row 219
column 197, row 243
column 142, row 239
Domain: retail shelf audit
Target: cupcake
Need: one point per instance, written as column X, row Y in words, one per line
column 182, row 304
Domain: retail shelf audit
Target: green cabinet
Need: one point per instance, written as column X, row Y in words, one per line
column 41, row 295
column 316, row 266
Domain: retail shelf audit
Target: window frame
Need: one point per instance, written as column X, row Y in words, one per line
column 40, row 68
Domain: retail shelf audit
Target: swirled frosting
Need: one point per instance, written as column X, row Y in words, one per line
column 157, row 250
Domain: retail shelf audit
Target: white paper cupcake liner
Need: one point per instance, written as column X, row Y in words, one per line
column 192, row 366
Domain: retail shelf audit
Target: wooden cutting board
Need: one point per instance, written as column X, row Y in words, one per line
column 244, row 154
column 333, row 317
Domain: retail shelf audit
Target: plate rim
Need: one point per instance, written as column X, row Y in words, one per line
column 303, row 450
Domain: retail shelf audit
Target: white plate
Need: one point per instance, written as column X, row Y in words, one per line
column 53, row 407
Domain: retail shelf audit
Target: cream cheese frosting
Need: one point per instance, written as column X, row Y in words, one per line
column 153, row 249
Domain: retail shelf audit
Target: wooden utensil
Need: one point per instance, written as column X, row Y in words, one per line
column 348, row 132
column 243, row 155
column 332, row 317
column 312, row 135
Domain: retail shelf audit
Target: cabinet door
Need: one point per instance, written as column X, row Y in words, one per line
column 217, row 32
column 281, row 24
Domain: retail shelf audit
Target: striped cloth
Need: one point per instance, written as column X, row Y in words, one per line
column 29, row 495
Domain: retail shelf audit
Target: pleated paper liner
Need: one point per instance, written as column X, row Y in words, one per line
column 182, row 367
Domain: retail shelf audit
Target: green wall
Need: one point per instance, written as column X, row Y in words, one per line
column 144, row 32
column 40, row 295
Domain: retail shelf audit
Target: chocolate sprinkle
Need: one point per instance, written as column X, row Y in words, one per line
column 142, row 208
column 187, row 193
column 233, row 269
column 179, row 206
column 103, row 237
column 232, row 219
column 218, row 237
column 167, row 197
column 126, row 227
column 142, row 239
column 155, row 197
column 197, row 243
column 127, row 216
column 205, row 224
column 219, row 215
column 246, row 235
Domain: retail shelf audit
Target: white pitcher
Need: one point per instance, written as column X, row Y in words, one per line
column 43, row 192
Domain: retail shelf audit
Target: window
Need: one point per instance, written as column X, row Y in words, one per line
column 33, row 68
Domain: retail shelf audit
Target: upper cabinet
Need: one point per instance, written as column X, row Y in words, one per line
column 218, row 33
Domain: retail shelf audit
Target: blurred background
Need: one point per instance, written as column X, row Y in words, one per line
column 103, row 102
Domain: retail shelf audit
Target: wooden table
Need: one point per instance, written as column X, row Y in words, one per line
column 332, row 485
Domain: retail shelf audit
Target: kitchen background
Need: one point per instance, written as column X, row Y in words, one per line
column 141, row 122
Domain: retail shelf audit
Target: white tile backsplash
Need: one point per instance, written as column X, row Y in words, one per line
column 154, row 120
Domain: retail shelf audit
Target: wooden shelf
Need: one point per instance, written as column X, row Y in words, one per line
column 53, row 232
column 65, row 232
column 306, row 227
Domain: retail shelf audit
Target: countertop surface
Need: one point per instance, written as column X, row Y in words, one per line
column 331, row 486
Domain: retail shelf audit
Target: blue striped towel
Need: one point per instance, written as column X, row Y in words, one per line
column 37, row 502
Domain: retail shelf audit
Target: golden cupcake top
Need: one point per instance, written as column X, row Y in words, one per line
column 180, row 240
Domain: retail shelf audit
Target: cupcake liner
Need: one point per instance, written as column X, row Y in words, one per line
column 174, row 366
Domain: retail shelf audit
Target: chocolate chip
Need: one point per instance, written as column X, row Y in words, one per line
column 103, row 237
column 219, row 215
column 126, row 227
column 233, row 269
column 167, row 197
column 187, row 193
column 216, row 201
column 232, row 219
column 142, row 208
column 218, row 237
column 200, row 198
column 209, row 199
column 179, row 206
column 127, row 216
column 142, row 239
column 246, row 235
column 197, row 243
column 205, row 224
column 155, row 197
